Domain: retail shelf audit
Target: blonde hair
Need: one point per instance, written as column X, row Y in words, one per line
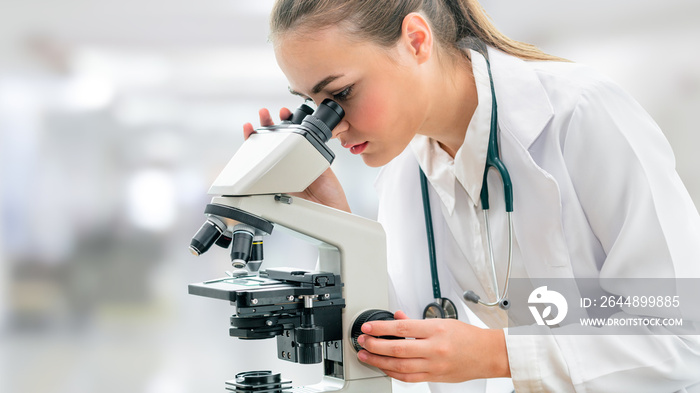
column 455, row 23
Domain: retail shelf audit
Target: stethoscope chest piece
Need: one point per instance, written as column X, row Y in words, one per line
column 441, row 308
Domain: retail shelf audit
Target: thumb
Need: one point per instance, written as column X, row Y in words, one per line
column 400, row 315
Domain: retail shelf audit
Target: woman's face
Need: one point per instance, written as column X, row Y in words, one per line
column 379, row 88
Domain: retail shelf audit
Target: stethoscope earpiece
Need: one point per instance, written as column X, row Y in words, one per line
column 470, row 296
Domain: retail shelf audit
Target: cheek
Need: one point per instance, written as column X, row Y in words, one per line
column 375, row 114
column 371, row 113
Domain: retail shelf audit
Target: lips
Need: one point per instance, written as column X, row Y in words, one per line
column 356, row 148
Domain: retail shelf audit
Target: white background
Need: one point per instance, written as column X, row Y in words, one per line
column 116, row 115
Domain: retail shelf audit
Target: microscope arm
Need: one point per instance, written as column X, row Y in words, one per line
column 349, row 245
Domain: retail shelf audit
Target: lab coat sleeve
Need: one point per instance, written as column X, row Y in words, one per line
column 623, row 173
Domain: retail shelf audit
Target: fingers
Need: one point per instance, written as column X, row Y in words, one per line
column 285, row 114
column 265, row 118
column 415, row 328
column 394, row 348
column 411, row 378
column 394, row 365
column 247, row 130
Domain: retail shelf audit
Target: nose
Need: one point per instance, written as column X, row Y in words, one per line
column 340, row 128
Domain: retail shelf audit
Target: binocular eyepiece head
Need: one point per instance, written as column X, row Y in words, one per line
column 246, row 241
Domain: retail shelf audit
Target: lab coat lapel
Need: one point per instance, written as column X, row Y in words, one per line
column 524, row 111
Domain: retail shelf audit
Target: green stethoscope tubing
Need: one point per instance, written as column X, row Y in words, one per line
column 441, row 307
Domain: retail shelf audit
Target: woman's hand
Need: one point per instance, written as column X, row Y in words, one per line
column 443, row 350
column 325, row 190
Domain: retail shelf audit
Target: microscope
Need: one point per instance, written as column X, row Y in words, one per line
column 314, row 315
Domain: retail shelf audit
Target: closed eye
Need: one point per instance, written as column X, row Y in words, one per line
column 344, row 94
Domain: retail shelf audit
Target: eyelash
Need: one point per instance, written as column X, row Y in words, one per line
column 343, row 95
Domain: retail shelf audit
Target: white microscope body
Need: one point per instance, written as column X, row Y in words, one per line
column 252, row 191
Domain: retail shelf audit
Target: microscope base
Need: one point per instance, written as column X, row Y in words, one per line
column 328, row 384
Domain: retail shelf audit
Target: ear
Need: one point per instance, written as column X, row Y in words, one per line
column 417, row 36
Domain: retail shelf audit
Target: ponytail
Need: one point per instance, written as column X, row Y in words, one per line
column 454, row 22
column 473, row 21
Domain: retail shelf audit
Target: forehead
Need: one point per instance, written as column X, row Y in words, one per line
column 308, row 57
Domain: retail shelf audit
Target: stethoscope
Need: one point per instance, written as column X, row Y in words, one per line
column 444, row 307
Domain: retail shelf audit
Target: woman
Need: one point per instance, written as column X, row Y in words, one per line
column 595, row 190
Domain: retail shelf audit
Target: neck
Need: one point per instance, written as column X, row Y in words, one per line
column 452, row 103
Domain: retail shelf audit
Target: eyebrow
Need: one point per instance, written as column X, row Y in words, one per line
column 319, row 86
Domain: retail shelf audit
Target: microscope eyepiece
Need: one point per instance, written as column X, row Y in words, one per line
column 300, row 114
column 329, row 112
column 324, row 119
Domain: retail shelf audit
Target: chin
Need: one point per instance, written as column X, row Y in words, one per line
column 376, row 160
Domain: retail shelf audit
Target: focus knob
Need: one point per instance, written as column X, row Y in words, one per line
column 367, row 316
column 309, row 344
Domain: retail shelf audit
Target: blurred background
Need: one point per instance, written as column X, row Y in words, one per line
column 115, row 116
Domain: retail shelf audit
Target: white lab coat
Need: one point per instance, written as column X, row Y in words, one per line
column 596, row 194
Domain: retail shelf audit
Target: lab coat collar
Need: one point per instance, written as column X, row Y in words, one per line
column 470, row 159
column 438, row 168
column 523, row 111
column 523, row 106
